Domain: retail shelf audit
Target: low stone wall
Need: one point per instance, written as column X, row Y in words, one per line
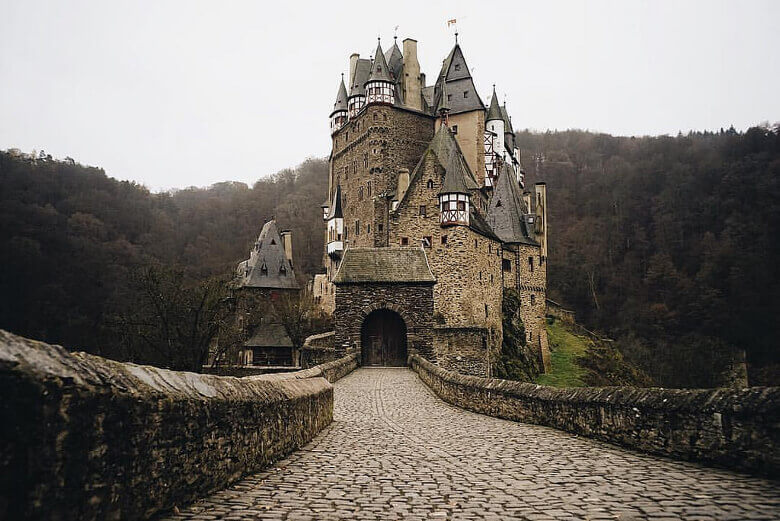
column 331, row 371
column 318, row 349
column 240, row 371
column 733, row 428
column 83, row 437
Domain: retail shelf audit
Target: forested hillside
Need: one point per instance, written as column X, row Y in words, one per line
column 667, row 244
column 670, row 245
column 73, row 241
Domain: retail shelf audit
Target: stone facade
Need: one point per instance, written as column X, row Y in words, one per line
column 413, row 302
column 90, row 438
column 413, row 175
column 733, row 428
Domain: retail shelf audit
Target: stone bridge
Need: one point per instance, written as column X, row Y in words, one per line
column 87, row 438
column 397, row 451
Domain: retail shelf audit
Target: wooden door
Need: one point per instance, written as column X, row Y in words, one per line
column 383, row 339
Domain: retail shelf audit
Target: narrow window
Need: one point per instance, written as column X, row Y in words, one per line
column 506, row 265
column 531, row 264
column 457, row 66
column 486, row 310
column 444, row 239
column 357, row 227
column 427, row 242
column 465, row 94
column 490, row 248
column 360, row 193
column 533, row 299
column 381, row 227
column 449, row 97
column 422, row 210
column 491, row 278
column 368, row 188
column 430, row 184
column 454, row 129
column 404, row 241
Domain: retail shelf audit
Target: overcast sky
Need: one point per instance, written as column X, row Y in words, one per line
column 181, row 93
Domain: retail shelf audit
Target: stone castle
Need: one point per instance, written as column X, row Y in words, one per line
column 427, row 220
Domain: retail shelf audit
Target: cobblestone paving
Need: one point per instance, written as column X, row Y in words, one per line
column 395, row 451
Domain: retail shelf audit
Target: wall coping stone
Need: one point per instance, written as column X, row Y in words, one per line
column 736, row 428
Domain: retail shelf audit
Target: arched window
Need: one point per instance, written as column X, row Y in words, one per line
column 430, row 184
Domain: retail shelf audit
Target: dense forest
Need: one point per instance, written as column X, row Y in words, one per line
column 669, row 245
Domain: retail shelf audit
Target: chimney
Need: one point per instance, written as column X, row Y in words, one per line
column 422, row 80
column 353, row 59
column 287, row 242
column 403, row 181
column 411, row 84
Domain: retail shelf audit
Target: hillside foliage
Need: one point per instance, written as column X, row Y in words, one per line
column 669, row 245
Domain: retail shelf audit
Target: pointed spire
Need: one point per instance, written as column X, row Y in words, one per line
column 335, row 206
column 341, row 97
column 379, row 69
column 494, row 112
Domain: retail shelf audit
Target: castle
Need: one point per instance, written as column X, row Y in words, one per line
column 426, row 218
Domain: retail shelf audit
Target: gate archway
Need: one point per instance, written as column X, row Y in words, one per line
column 383, row 339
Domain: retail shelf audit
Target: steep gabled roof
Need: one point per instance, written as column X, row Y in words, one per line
column 457, row 176
column 395, row 61
column 505, row 213
column 444, row 104
column 361, row 265
column 460, row 85
column 335, row 206
column 379, row 69
column 359, row 75
column 341, row 97
column 268, row 266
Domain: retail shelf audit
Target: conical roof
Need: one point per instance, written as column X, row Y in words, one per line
column 494, row 112
column 341, row 97
column 379, row 69
column 505, row 213
column 335, row 206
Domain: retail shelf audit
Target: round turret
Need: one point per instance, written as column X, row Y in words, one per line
column 380, row 87
column 338, row 118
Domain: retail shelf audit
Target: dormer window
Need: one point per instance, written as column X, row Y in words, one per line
column 457, row 66
column 282, row 270
column 264, row 270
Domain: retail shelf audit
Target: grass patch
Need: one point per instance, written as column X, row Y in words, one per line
column 565, row 348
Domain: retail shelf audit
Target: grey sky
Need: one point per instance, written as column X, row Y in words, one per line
column 182, row 93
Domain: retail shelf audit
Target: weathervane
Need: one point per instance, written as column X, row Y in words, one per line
column 454, row 22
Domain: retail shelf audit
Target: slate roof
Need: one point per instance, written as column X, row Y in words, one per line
column 457, row 177
column 267, row 266
column 387, row 265
column 494, row 112
column 444, row 104
column 359, row 75
column 379, row 69
column 509, row 132
column 478, row 224
column 269, row 335
column 505, row 213
column 395, row 61
column 455, row 73
column 341, row 97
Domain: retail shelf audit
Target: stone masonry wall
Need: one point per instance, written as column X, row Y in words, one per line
column 370, row 150
column 414, row 302
column 84, row 437
column 733, row 428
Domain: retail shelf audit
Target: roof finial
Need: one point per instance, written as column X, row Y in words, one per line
column 395, row 33
column 456, row 37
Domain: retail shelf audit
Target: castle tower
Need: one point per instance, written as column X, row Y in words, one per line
column 412, row 86
column 339, row 115
column 335, row 220
column 494, row 133
column 380, row 86
column 466, row 117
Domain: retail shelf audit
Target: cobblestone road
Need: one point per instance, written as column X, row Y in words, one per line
column 395, row 451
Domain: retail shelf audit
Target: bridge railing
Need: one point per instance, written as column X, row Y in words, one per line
column 729, row 427
column 99, row 439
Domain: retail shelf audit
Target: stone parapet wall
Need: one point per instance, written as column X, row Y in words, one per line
column 733, row 428
column 83, row 437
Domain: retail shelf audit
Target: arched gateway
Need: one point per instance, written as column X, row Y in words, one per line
column 383, row 339
column 384, row 305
